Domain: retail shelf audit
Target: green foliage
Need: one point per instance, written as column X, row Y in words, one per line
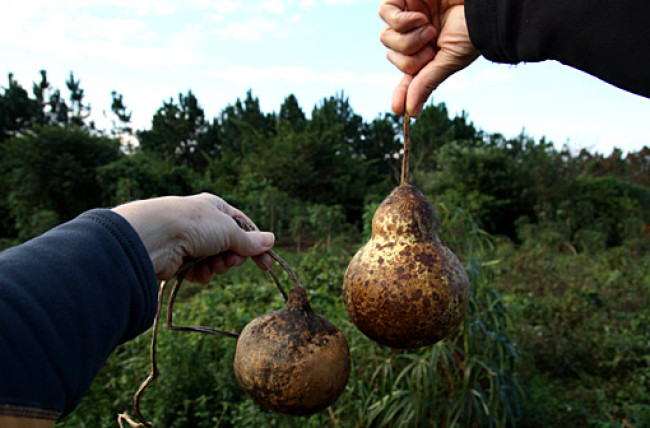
column 79, row 111
column 291, row 116
column 243, row 127
column 51, row 175
column 368, row 214
column 272, row 208
column 468, row 380
column 581, row 323
column 17, row 110
column 433, row 130
column 179, row 132
column 564, row 285
column 143, row 175
column 485, row 179
column 121, row 125
column 606, row 206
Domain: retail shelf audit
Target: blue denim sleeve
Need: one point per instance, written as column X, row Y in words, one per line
column 67, row 299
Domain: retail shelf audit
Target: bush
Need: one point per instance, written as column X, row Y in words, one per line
column 468, row 380
column 581, row 322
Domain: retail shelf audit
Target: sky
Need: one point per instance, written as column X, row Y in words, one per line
column 152, row 50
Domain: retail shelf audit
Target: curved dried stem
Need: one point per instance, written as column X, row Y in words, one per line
column 269, row 270
column 123, row 417
column 154, row 369
column 179, row 276
column 294, row 279
column 286, row 267
column 407, row 149
column 170, row 312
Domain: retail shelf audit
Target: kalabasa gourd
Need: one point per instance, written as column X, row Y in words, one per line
column 292, row 360
column 405, row 288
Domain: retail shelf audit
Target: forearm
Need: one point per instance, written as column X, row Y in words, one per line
column 608, row 39
column 67, row 298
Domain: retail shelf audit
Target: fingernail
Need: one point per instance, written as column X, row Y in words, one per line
column 267, row 261
column 426, row 34
column 268, row 239
column 417, row 110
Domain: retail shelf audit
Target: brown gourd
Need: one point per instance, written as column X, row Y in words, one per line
column 404, row 288
column 292, row 360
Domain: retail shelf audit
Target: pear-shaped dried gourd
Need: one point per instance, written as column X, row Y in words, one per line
column 405, row 288
column 292, row 360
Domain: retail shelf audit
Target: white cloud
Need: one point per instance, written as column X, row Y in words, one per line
column 219, row 6
column 251, row 29
column 496, row 73
column 248, row 76
column 264, row 18
column 125, row 24
column 338, row 2
column 117, row 30
column 306, row 4
column 277, row 7
column 139, row 7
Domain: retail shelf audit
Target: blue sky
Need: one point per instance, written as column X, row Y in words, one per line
column 150, row 50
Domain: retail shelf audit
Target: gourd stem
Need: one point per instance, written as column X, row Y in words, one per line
column 407, row 149
column 179, row 276
column 286, row 267
column 294, row 279
column 154, row 370
column 269, row 270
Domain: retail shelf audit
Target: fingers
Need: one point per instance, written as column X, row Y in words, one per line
column 427, row 80
column 202, row 272
column 453, row 52
column 411, row 64
column 226, row 208
column 208, row 228
column 395, row 15
column 407, row 43
column 244, row 243
column 223, row 262
column 399, row 95
column 247, row 244
column 412, row 92
column 408, row 37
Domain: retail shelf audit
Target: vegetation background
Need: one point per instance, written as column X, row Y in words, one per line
column 555, row 244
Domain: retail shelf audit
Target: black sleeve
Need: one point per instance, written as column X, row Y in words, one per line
column 609, row 39
column 67, row 299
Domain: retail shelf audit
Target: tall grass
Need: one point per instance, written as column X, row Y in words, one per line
column 468, row 380
column 465, row 381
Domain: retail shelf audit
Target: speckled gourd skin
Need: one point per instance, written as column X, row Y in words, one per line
column 292, row 360
column 405, row 288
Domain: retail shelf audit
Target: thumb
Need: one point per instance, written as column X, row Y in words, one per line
column 248, row 244
column 427, row 80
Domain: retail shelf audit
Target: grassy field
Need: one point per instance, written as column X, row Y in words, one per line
column 552, row 338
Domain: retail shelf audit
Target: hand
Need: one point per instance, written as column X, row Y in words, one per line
column 176, row 228
column 428, row 40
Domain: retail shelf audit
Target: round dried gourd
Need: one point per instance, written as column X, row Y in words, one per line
column 292, row 360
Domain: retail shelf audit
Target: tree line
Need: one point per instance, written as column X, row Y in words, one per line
column 304, row 177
